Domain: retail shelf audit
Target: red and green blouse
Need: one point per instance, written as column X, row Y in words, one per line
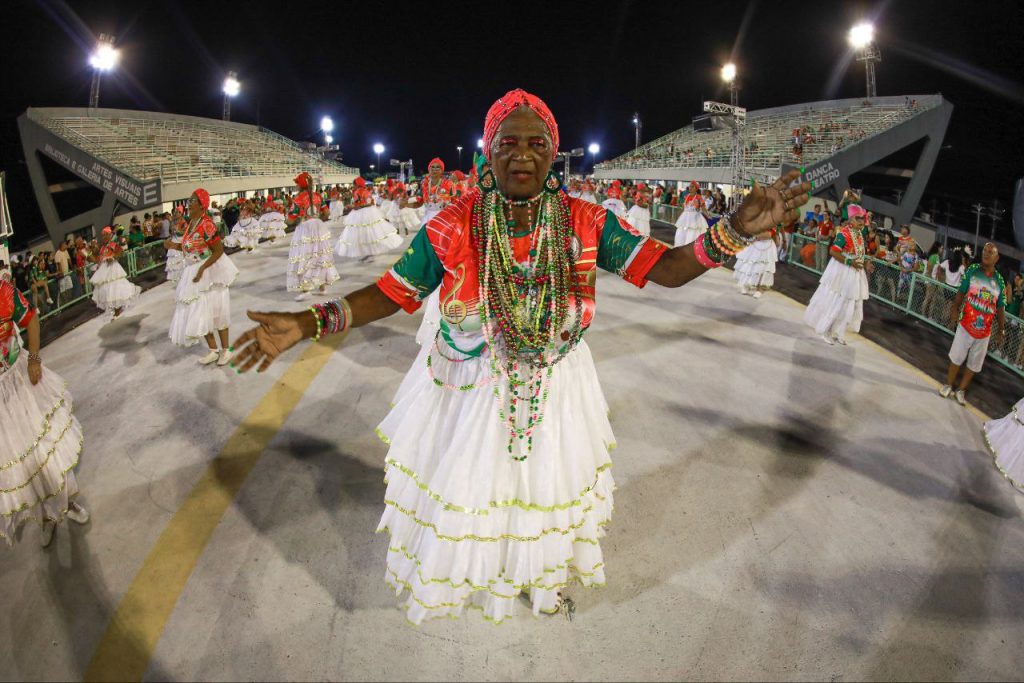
column 197, row 239
column 15, row 314
column 850, row 242
column 306, row 205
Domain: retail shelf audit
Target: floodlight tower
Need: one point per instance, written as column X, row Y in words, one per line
column 231, row 89
column 594, row 148
column 738, row 120
column 862, row 39
column 103, row 59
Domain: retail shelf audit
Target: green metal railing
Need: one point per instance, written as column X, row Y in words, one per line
column 920, row 296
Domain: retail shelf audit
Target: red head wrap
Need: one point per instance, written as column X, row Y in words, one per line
column 437, row 161
column 694, row 187
column 359, row 182
column 203, row 196
column 459, row 175
column 108, row 230
column 303, row 180
column 507, row 104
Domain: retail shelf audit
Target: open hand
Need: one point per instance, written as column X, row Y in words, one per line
column 277, row 332
column 777, row 204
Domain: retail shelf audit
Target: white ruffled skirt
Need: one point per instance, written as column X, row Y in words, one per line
column 640, row 218
column 689, row 226
column 175, row 262
column 755, row 265
column 245, row 237
column 615, row 206
column 1005, row 439
column 273, row 225
column 203, row 307
column 111, row 287
column 40, row 441
column 838, row 303
column 367, row 233
column 310, row 259
column 337, row 210
column 468, row 525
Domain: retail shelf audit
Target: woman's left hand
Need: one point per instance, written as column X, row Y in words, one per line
column 35, row 371
column 199, row 276
column 777, row 204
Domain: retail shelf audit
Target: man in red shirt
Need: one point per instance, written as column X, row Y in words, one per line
column 825, row 230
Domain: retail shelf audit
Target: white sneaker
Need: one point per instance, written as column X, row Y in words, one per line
column 828, row 339
column 209, row 358
column 303, row 296
column 224, row 357
column 47, row 537
column 77, row 513
column 840, row 340
column 757, row 294
column 961, row 397
column 49, row 301
column 945, row 391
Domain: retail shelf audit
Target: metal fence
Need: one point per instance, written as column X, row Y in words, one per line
column 917, row 295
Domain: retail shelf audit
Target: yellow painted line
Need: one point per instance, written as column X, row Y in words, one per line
column 135, row 628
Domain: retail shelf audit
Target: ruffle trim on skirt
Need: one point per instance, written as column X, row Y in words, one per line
column 755, row 265
column 1004, row 439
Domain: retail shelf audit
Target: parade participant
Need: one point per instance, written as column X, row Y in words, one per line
column 838, row 303
column 40, row 439
column 755, row 266
column 175, row 258
column 436, row 191
column 587, row 191
column 384, row 197
column 614, row 201
column 310, row 257
column 337, row 206
column 639, row 215
column 247, row 231
column 691, row 223
column 111, row 289
column 498, row 467
column 202, row 308
column 1005, row 440
column 272, row 221
column 366, row 233
column 981, row 299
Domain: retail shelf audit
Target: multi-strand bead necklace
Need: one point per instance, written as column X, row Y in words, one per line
column 526, row 305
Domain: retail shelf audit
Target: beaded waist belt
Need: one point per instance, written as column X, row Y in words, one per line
column 193, row 257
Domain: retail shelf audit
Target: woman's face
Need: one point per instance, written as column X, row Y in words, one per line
column 194, row 207
column 521, row 154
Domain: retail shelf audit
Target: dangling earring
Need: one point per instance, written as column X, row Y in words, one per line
column 552, row 183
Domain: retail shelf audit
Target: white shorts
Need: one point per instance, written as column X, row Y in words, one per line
column 971, row 349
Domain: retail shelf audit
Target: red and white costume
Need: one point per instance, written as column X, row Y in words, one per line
column 838, row 303
column 111, row 288
column 639, row 215
column 434, row 195
column 366, row 232
column 755, row 265
column 614, row 201
column 691, row 224
column 587, row 192
column 310, row 258
column 203, row 307
column 272, row 221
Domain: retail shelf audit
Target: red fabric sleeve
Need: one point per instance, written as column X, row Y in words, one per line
column 650, row 253
column 399, row 293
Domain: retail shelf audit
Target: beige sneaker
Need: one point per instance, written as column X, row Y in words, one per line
column 224, row 357
column 961, row 397
column 78, row 514
column 209, row 358
column 945, row 391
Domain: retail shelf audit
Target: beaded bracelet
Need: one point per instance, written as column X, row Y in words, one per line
column 722, row 240
column 742, row 240
column 700, row 251
column 34, row 358
column 332, row 317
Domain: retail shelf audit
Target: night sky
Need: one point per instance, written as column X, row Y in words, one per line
column 418, row 77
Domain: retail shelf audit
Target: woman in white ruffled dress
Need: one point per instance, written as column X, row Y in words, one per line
column 111, row 289
column 175, row 258
column 272, row 223
column 755, row 266
column 838, row 303
column 498, row 475
column 614, row 201
column 247, row 231
column 1005, row 439
column 366, row 233
column 202, row 308
column 310, row 258
column 691, row 223
column 639, row 215
column 40, row 439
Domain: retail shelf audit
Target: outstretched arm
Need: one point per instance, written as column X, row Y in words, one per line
column 278, row 332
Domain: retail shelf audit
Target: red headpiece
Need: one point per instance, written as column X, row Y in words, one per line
column 694, row 186
column 507, row 104
column 437, row 161
column 304, row 180
column 203, row 196
column 359, row 182
column 108, row 230
column 459, row 175
column 614, row 192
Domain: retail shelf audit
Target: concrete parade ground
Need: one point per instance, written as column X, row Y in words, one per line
column 785, row 510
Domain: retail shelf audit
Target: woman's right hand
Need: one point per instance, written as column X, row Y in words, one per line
column 276, row 333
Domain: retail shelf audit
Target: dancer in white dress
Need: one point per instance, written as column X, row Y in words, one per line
column 247, row 231
column 1005, row 440
column 40, row 439
column 838, row 303
column 175, row 259
column 614, row 201
column 436, row 193
column 755, row 265
column 202, row 308
column 587, row 191
column 112, row 291
column 310, row 257
column 272, row 221
column 639, row 215
column 337, row 205
column 692, row 223
column 366, row 233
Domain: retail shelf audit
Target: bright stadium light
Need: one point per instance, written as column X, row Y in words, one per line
column 379, row 149
column 638, row 125
column 480, row 143
column 326, row 124
column 459, row 147
column 594, row 148
column 103, row 59
column 329, row 138
column 231, row 89
column 862, row 35
column 729, row 72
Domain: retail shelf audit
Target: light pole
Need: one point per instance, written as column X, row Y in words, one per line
column 594, row 148
column 103, row 59
column 459, row 147
column 379, row 149
column 729, row 76
column 638, row 124
column 231, row 89
column 327, row 125
column 862, row 39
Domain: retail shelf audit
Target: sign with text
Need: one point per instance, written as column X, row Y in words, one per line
column 820, row 175
column 130, row 192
